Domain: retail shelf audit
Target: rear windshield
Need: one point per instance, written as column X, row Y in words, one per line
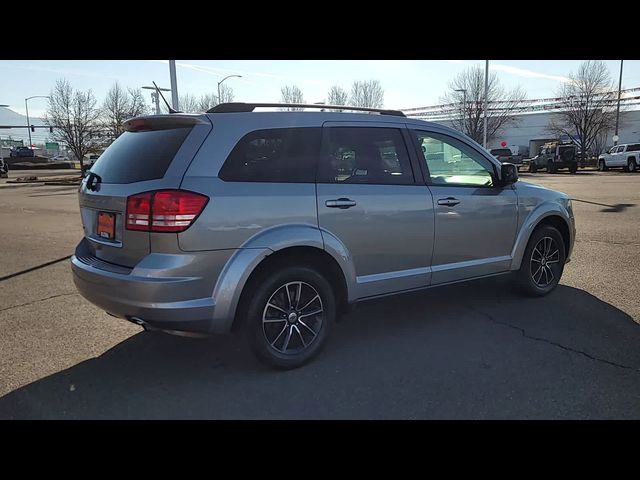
column 139, row 156
column 500, row 151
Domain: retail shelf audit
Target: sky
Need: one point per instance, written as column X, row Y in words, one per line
column 406, row 83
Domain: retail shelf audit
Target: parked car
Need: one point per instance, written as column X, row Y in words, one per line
column 505, row 155
column 554, row 156
column 22, row 152
column 59, row 158
column 89, row 162
column 626, row 156
column 276, row 223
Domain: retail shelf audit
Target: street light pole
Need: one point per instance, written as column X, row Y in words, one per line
column 464, row 107
column 26, row 107
column 486, row 93
column 220, row 83
column 174, row 84
column 618, row 107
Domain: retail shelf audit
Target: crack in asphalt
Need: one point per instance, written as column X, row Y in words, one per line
column 550, row 342
column 40, row 300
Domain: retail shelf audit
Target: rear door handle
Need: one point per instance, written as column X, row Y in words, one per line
column 340, row 203
column 449, row 201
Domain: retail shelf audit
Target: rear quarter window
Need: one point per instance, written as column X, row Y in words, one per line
column 284, row 155
column 140, row 156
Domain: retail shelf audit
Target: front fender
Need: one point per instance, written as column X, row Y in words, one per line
column 539, row 213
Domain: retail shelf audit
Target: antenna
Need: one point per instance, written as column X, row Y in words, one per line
column 171, row 110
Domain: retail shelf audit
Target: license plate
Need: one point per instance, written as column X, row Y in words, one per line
column 106, row 225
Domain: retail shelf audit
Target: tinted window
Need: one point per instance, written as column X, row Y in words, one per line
column 275, row 155
column 139, row 156
column 450, row 162
column 633, row 148
column 365, row 155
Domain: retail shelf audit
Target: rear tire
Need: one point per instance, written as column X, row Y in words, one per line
column 533, row 167
column 542, row 263
column 285, row 324
column 551, row 168
column 573, row 168
column 631, row 165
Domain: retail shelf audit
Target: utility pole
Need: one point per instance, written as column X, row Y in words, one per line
column 615, row 137
column 174, row 84
column 155, row 97
column 486, row 93
column 26, row 107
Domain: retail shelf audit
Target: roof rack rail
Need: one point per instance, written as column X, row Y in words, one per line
column 237, row 107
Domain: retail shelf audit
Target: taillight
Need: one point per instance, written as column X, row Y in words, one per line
column 139, row 211
column 164, row 210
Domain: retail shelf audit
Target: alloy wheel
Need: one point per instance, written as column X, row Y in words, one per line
column 292, row 317
column 545, row 262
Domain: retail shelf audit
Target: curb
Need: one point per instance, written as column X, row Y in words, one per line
column 18, row 185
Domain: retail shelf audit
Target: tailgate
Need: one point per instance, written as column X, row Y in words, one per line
column 152, row 154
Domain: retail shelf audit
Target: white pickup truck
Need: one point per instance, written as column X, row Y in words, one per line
column 625, row 156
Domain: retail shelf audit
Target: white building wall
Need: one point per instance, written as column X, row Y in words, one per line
column 532, row 126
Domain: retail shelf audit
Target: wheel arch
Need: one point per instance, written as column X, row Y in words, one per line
column 294, row 243
column 553, row 215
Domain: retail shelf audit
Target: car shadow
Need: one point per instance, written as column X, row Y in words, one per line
column 618, row 207
column 475, row 350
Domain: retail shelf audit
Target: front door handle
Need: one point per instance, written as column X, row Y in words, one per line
column 340, row 203
column 449, row 201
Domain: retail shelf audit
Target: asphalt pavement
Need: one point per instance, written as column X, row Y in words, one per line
column 473, row 351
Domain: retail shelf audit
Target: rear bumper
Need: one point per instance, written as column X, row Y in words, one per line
column 156, row 292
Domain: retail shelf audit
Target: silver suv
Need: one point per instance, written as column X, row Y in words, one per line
column 276, row 222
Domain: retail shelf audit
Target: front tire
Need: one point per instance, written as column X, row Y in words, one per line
column 288, row 315
column 551, row 168
column 542, row 263
column 602, row 166
column 573, row 168
column 533, row 168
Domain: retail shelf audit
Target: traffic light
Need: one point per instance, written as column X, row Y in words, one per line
column 33, row 129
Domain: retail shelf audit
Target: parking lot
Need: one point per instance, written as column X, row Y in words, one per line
column 463, row 351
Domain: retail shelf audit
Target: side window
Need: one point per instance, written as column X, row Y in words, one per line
column 617, row 150
column 633, row 148
column 450, row 162
column 365, row 155
column 284, row 155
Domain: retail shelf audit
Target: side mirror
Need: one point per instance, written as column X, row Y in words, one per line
column 508, row 174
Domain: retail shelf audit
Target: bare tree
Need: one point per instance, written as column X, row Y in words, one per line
column 367, row 94
column 588, row 106
column 600, row 144
column 226, row 94
column 291, row 94
column 138, row 105
column 467, row 91
column 207, row 102
column 74, row 115
column 189, row 104
column 119, row 105
column 337, row 96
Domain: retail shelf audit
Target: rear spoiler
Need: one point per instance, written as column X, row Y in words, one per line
column 164, row 122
